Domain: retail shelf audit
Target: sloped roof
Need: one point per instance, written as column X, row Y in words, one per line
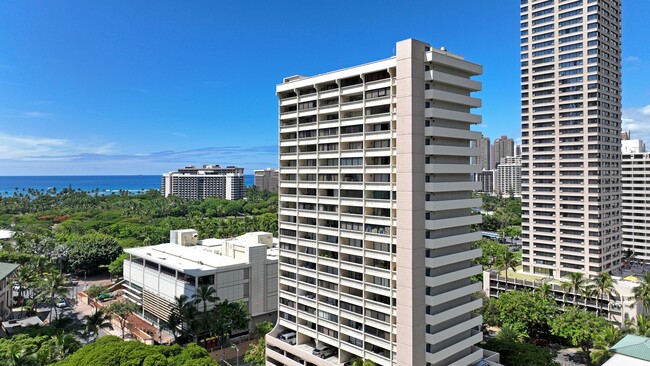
column 633, row 346
column 6, row 269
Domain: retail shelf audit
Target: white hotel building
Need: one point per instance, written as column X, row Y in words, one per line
column 375, row 198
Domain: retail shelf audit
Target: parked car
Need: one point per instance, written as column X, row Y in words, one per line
column 104, row 297
column 323, row 351
column 288, row 336
column 61, row 303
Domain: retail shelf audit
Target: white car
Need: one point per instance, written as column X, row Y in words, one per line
column 61, row 303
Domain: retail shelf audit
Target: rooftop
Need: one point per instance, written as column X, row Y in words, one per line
column 202, row 259
column 633, row 346
column 7, row 268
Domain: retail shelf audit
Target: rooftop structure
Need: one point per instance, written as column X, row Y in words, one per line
column 632, row 350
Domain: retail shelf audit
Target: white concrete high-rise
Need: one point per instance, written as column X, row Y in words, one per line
column 636, row 200
column 507, row 177
column 375, row 199
column 571, row 128
column 209, row 181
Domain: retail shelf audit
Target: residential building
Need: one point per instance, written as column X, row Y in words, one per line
column 375, row 199
column 507, row 178
column 617, row 309
column 240, row 269
column 571, row 128
column 486, row 180
column 209, row 181
column 504, row 146
column 7, row 275
column 483, row 144
column 266, row 179
column 636, row 202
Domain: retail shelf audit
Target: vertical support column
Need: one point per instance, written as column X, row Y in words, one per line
column 410, row 204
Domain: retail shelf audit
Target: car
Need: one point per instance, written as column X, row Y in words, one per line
column 323, row 351
column 104, row 297
column 288, row 336
column 61, row 303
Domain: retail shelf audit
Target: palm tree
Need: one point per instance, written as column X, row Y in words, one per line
column 64, row 345
column 180, row 312
column 566, row 288
column 628, row 254
column 507, row 260
column 54, row 287
column 642, row 292
column 96, row 321
column 508, row 334
column 24, row 278
column 603, row 343
column 205, row 294
column 545, row 290
column 641, row 327
column 577, row 281
column 603, row 283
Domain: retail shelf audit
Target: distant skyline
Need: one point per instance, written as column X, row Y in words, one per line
column 93, row 88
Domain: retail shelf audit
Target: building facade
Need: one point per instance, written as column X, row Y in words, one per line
column 209, row 181
column 636, row 204
column 483, row 144
column 571, row 126
column 240, row 269
column 486, row 181
column 375, row 199
column 507, row 177
column 266, row 179
column 504, row 146
column 7, row 274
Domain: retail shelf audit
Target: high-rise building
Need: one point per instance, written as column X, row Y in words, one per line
column 375, row 203
column 507, row 178
column 636, row 200
column 210, row 181
column 266, row 179
column 571, row 128
column 486, row 180
column 483, row 144
column 504, row 146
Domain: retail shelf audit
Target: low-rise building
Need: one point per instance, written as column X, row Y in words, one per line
column 266, row 179
column 243, row 269
column 7, row 274
column 617, row 309
column 209, row 181
column 632, row 350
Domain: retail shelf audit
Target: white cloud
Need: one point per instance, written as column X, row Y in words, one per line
column 36, row 114
column 637, row 121
column 632, row 59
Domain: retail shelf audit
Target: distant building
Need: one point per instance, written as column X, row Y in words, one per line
column 486, row 178
column 504, row 146
column 266, row 179
column 483, row 144
column 636, row 201
column 507, row 178
column 632, row 146
column 210, row 181
column 7, row 274
column 244, row 268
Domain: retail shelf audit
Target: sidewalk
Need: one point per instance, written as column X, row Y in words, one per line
column 85, row 309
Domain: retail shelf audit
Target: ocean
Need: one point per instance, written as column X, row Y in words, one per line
column 106, row 184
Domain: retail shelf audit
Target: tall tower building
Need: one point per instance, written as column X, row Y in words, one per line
column 194, row 183
column 507, row 180
column 483, row 144
column 636, row 199
column 571, row 128
column 504, row 147
column 374, row 221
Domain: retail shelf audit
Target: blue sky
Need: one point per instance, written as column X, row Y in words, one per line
column 144, row 87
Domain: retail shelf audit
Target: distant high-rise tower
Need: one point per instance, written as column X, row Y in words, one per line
column 504, row 146
column 571, row 129
column 375, row 214
column 507, row 177
column 483, row 144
